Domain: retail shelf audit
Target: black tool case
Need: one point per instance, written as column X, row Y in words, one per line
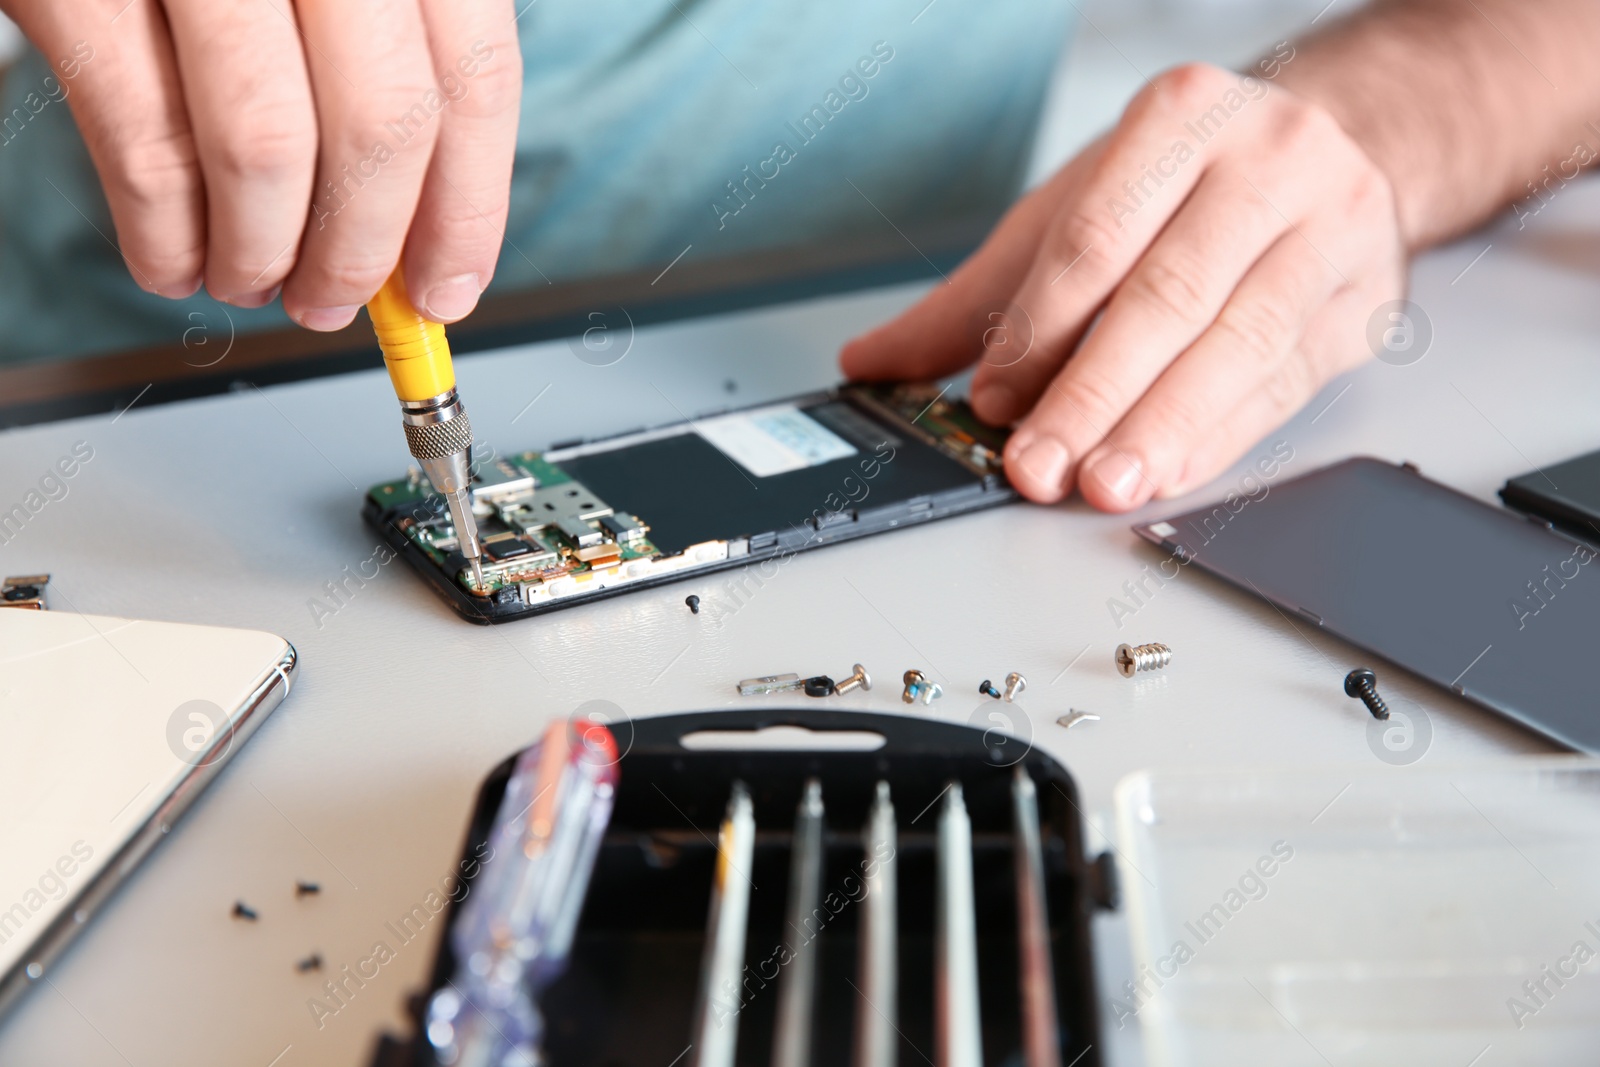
column 628, row 996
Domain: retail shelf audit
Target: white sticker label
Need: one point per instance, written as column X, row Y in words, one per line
column 774, row 440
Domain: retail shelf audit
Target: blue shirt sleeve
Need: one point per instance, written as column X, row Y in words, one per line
column 650, row 129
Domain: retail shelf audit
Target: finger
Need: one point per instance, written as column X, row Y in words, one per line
column 127, row 100
column 945, row 331
column 1254, row 334
column 1168, row 300
column 249, row 100
column 1334, row 339
column 1099, row 234
column 1261, row 411
column 1300, row 310
column 461, row 218
column 377, row 113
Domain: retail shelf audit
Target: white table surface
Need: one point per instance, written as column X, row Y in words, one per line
column 236, row 510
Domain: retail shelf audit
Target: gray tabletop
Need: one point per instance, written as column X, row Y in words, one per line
column 238, row 510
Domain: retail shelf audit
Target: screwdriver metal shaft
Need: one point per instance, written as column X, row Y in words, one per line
column 1041, row 1040
column 797, row 989
column 958, row 1033
column 878, row 972
column 716, row 1017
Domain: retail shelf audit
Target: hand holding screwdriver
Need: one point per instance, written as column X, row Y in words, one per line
column 435, row 422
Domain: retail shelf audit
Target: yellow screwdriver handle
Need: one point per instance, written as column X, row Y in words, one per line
column 414, row 348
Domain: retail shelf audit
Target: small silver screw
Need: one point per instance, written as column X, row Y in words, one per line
column 860, row 678
column 913, row 680
column 930, row 691
column 1015, row 683
column 1131, row 659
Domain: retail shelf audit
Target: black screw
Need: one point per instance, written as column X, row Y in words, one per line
column 312, row 962
column 306, row 889
column 1363, row 685
column 693, row 602
column 241, row 910
column 986, row 688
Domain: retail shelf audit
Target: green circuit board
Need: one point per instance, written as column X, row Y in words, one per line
column 947, row 424
column 537, row 525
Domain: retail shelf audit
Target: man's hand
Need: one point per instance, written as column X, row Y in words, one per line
column 253, row 146
column 1233, row 240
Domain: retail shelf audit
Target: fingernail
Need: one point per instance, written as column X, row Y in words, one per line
column 257, row 299
column 326, row 319
column 850, row 355
column 1122, row 478
column 452, row 298
column 993, row 403
column 1044, row 459
column 183, row 289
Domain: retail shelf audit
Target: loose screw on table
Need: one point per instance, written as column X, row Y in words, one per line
column 1131, row 659
column 987, row 689
column 1362, row 684
column 860, row 679
column 1015, row 683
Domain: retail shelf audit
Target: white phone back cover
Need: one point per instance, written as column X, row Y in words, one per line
column 106, row 724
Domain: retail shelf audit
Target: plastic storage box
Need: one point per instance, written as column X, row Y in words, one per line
column 1365, row 916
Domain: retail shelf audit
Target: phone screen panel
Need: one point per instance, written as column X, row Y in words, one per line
column 1503, row 611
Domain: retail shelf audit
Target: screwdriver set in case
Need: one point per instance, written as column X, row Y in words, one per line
column 884, row 890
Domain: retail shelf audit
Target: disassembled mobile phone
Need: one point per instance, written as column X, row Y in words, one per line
column 1471, row 597
column 585, row 520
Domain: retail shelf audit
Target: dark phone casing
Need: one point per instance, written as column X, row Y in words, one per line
column 948, row 490
column 1567, row 494
column 1498, row 609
